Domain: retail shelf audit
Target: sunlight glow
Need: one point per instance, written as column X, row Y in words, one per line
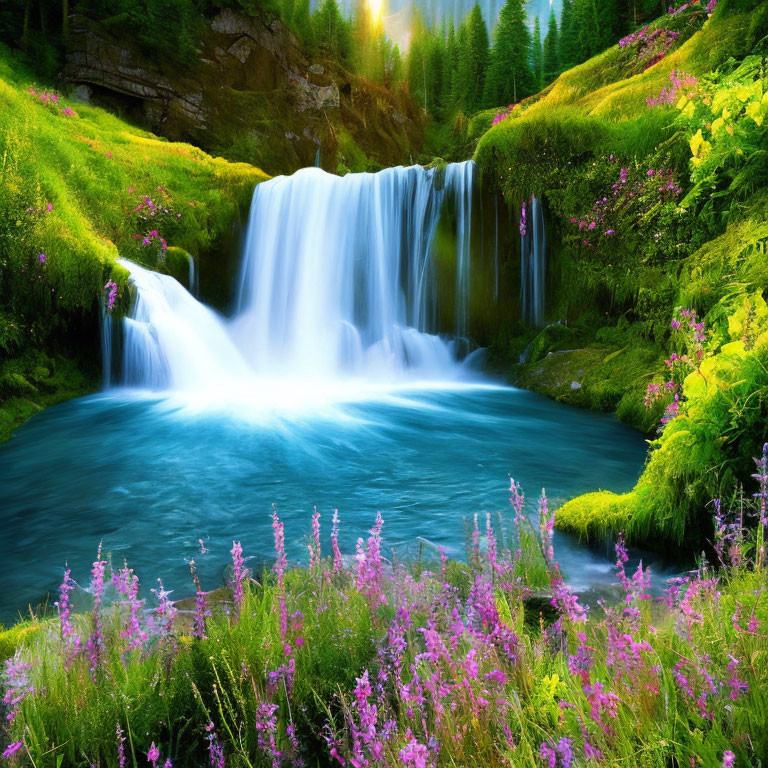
column 376, row 9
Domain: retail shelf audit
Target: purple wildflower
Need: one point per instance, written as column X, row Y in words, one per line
column 111, row 288
column 95, row 643
column 238, row 575
column 216, row 757
column 338, row 563
column 121, row 758
column 12, row 749
column 16, row 683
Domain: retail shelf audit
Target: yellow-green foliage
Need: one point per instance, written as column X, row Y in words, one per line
column 600, row 88
column 83, row 166
column 21, row 635
column 704, row 453
column 597, row 515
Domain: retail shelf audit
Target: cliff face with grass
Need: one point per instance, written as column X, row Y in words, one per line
column 250, row 94
column 650, row 160
column 80, row 188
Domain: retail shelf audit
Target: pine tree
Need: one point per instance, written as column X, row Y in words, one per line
column 302, row 25
column 537, row 56
column 509, row 75
column 609, row 23
column 473, row 60
column 436, row 64
column 566, row 42
column 586, row 32
column 332, row 33
column 551, row 60
column 450, row 81
column 416, row 64
column 396, row 68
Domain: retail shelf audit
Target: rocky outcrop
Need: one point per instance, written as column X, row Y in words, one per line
column 252, row 95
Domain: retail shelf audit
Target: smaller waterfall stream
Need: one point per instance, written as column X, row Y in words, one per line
column 193, row 285
column 106, row 345
column 533, row 266
column 172, row 341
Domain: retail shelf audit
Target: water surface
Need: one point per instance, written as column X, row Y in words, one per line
column 150, row 476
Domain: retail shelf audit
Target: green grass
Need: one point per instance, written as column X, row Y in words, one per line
column 92, row 169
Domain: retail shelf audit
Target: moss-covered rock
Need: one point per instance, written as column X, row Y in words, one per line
column 595, row 516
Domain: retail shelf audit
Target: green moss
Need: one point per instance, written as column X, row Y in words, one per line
column 34, row 387
column 598, row 377
column 21, row 634
column 177, row 262
column 595, row 516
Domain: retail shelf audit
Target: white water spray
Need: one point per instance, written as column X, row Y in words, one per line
column 172, row 341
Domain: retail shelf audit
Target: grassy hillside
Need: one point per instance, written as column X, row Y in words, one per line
column 77, row 183
column 653, row 180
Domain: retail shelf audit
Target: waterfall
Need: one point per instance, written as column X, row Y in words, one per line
column 106, row 345
column 459, row 179
column 338, row 275
column 337, row 279
column 533, row 266
column 172, row 341
column 192, row 277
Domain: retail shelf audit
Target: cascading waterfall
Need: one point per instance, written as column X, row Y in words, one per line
column 338, row 276
column 172, row 341
column 533, row 267
column 337, row 279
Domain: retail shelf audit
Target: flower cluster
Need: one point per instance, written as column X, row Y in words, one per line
column 691, row 336
column 504, row 114
column 52, row 98
column 644, row 190
column 710, row 5
column 450, row 674
column 151, row 214
column 153, row 236
column 111, row 288
column 650, row 45
column 671, row 94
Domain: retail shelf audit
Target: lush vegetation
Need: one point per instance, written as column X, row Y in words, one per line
column 650, row 159
column 361, row 661
column 79, row 187
column 457, row 70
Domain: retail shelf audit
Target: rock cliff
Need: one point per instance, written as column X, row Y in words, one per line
column 252, row 96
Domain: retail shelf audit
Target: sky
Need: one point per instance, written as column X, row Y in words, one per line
column 397, row 13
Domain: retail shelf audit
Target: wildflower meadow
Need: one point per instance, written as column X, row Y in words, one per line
column 363, row 660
